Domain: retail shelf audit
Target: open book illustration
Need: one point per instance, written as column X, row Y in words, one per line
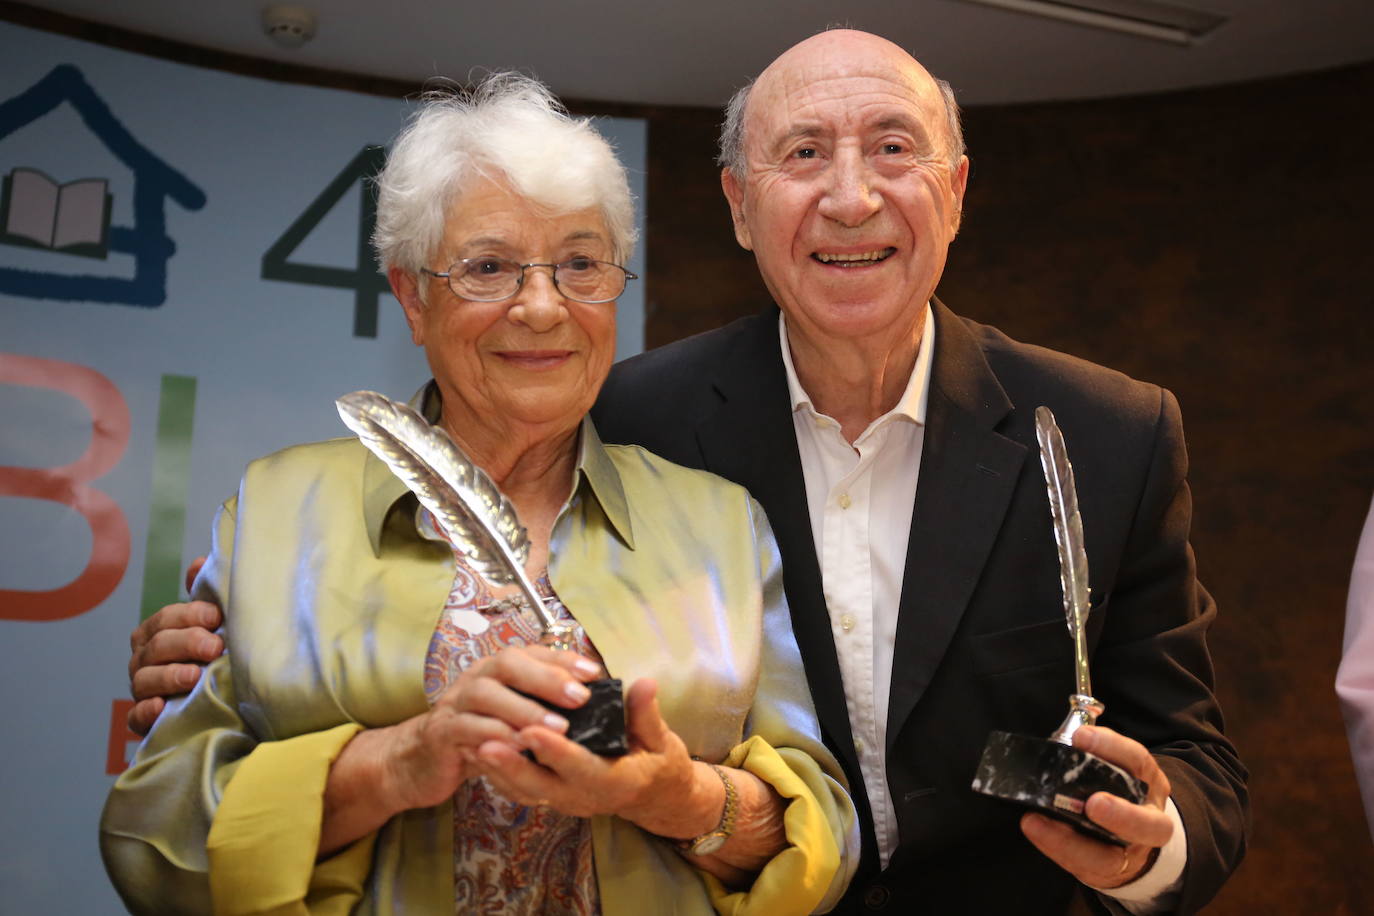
column 38, row 212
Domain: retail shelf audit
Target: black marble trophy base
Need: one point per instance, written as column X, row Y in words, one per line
column 598, row 724
column 1053, row 779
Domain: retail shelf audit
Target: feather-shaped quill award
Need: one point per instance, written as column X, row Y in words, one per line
column 484, row 527
column 1073, row 564
column 479, row 520
column 1052, row 776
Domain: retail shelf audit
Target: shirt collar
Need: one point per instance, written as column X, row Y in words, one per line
column 382, row 489
column 912, row 403
column 594, row 466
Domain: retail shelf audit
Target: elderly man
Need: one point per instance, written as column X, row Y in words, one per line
column 892, row 445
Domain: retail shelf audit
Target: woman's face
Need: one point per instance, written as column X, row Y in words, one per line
column 534, row 361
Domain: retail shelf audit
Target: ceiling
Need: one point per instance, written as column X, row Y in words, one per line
column 696, row 52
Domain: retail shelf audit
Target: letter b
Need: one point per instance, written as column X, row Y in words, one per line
column 68, row 485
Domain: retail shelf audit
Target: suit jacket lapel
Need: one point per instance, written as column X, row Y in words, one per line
column 750, row 439
column 968, row 473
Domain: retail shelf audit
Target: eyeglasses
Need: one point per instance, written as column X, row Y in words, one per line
column 493, row 279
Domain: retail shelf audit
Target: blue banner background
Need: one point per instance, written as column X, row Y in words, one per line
column 269, row 357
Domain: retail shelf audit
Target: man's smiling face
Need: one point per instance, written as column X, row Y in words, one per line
column 849, row 200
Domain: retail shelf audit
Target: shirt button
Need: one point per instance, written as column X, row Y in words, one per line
column 847, row 622
column 876, row 897
column 844, row 501
column 859, row 746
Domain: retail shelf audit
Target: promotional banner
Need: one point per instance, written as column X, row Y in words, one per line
column 185, row 284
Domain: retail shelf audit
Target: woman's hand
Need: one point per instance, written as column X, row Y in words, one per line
column 428, row 759
column 647, row 786
column 656, row 786
column 420, row 762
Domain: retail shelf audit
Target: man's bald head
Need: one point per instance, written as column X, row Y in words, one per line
column 835, row 51
column 848, row 187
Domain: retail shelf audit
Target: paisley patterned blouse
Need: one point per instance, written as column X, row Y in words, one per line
column 507, row 857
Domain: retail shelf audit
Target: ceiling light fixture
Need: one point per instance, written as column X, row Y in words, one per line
column 1142, row 18
column 288, row 26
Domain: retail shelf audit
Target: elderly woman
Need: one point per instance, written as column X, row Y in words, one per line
column 369, row 741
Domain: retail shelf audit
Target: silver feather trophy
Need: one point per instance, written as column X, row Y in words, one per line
column 1073, row 567
column 464, row 501
column 1052, row 776
column 483, row 525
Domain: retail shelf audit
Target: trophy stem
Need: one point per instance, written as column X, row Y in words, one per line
column 1083, row 710
column 556, row 635
column 1052, row 776
column 560, row 636
column 1080, row 658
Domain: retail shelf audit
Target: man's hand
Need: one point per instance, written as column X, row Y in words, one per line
column 167, row 652
column 1146, row 826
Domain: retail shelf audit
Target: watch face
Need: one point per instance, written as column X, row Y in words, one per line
column 708, row 844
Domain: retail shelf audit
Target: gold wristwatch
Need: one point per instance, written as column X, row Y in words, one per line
column 712, row 840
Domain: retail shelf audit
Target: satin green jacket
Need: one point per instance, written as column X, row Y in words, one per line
column 331, row 596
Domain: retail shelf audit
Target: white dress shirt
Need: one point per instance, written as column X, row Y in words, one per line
column 860, row 499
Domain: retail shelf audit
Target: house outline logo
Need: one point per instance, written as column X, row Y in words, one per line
column 154, row 181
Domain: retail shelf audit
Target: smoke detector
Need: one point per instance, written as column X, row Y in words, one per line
column 288, row 26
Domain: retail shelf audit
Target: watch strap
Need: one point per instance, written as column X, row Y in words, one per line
column 713, row 839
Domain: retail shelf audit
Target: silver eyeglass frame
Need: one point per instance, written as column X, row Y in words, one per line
column 520, row 282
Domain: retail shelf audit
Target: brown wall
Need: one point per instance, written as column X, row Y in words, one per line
column 1214, row 242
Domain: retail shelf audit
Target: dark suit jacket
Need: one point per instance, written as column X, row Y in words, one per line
column 981, row 642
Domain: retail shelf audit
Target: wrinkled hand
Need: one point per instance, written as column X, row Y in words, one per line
column 1146, row 826
column 167, row 651
column 428, row 755
column 648, row 786
column 423, row 760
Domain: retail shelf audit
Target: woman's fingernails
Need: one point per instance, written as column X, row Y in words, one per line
column 576, row 692
column 587, row 666
column 556, row 722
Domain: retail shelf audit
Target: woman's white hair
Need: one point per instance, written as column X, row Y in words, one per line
column 508, row 128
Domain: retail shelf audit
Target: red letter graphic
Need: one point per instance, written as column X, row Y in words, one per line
column 66, row 485
column 117, row 753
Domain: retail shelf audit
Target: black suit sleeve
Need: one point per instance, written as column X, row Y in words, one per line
column 1154, row 672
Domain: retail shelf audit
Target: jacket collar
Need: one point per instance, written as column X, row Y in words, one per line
column 968, row 477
